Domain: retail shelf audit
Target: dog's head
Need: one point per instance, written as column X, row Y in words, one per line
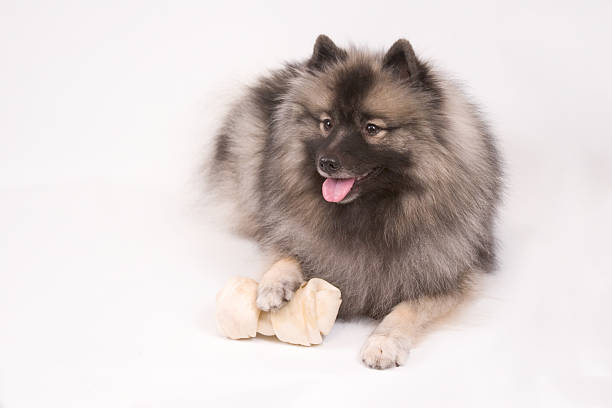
column 362, row 119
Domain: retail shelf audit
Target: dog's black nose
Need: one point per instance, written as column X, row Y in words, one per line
column 329, row 164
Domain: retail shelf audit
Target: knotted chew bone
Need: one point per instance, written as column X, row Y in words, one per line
column 311, row 312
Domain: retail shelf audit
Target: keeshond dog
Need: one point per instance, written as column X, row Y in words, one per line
column 372, row 171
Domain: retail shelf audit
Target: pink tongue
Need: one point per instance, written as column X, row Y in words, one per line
column 334, row 190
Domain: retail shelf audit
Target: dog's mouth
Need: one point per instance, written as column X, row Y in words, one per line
column 345, row 190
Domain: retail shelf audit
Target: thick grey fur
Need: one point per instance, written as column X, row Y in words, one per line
column 422, row 226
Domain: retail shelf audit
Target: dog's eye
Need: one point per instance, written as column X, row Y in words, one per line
column 326, row 124
column 372, row 129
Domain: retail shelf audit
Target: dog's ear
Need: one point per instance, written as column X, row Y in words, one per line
column 401, row 59
column 325, row 52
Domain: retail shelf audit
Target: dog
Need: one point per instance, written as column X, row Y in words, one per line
column 372, row 171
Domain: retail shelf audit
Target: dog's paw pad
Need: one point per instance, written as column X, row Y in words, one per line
column 382, row 352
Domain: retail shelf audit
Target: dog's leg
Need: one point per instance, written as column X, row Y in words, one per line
column 390, row 342
column 278, row 284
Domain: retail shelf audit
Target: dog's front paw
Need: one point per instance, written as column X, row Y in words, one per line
column 382, row 351
column 273, row 295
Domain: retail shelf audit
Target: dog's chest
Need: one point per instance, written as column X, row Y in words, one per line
column 371, row 281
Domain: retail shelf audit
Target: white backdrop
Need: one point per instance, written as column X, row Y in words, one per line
column 108, row 267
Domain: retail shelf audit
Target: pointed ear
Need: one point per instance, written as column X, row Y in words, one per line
column 401, row 59
column 325, row 52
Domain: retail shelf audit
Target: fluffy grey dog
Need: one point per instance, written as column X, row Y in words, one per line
column 371, row 171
